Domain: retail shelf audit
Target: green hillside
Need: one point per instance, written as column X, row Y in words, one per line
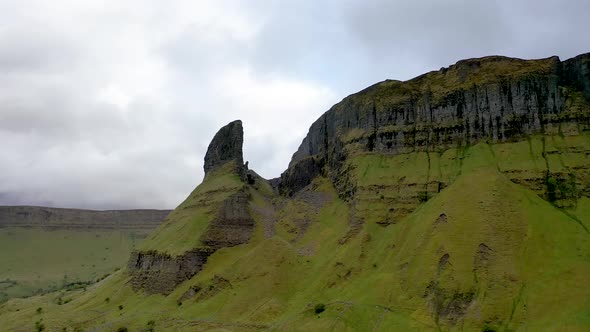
column 484, row 252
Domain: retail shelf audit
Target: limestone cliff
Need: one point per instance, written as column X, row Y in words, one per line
column 493, row 99
column 497, row 99
column 70, row 219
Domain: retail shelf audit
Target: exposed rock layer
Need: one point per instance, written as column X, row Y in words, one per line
column 157, row 272
column 233, row 225
column 56, row 218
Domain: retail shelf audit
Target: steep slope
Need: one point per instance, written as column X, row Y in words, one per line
column 486, row 230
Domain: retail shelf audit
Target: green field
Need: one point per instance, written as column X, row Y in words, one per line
column 36, row 260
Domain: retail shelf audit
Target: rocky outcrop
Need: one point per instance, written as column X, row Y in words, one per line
column 226, row 146
column 75, row 219
column 156, row 272
column 494, row 99
column 576, row 73
column 300, row 175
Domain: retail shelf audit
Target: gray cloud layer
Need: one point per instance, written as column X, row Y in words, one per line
column 111, row 104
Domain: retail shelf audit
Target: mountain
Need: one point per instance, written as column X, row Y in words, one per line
column 69, row 219
column 458, row 200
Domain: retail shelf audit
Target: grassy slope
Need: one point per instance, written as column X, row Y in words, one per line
column 36, row 260
column 183, row 227
column 538, row 260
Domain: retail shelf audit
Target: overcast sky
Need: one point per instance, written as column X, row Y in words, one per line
column 112, row 104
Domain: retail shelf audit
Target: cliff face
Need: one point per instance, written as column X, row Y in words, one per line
column 71, row 219
column 157, row 272
column 493, row 99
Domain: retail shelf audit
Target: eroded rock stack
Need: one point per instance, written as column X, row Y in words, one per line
column 226, row 146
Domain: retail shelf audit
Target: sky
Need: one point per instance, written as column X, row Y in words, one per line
column 112, row 104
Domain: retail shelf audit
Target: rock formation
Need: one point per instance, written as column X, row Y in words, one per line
column 233, row 225
column 160, row 272
column 495, row 99
column 492, row 99
column 226, row 146
column 156, row 272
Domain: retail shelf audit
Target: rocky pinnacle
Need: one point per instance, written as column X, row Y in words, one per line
column 226, row 146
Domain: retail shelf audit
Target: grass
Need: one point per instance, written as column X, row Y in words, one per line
column 35, row 261
column 182, row 228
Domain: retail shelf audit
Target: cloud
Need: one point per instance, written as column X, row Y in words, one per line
column 111, row 104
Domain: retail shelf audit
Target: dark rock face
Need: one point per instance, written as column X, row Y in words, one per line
column 300, row 175
column 160, row 273
column 493, row 99
column 225, row 147
column 156, row 272
column 75, row 219
column 576, row 73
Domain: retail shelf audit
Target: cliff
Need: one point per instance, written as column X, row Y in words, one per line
column 71, row 219
column 493, row 99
